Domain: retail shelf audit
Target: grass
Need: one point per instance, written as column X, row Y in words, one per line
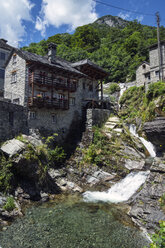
column 135, row 103
column 105, row 152
column 10, row 204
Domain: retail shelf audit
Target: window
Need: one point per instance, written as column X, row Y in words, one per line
column 14, row 77
column 14, row 59
column 2, row 73
column 147, row 76
column 157, row 73
column 16, row 101
column 32, row 115
column 83, row 85
column 2, row 56
column 61, row 96
column 54, row 118
column 72, row 101
column 144, row 66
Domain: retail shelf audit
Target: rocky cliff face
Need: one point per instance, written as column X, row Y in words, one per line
column 155, row 131
column 112, row 21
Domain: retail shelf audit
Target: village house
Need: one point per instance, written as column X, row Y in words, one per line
column 53, row 91
column 150, row 72
column 5, row 50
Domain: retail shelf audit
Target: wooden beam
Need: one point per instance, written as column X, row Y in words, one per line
column 101, row 94
column 32, row 86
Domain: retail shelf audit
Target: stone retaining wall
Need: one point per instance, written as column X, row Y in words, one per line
column 13, row 120
column 96, row 117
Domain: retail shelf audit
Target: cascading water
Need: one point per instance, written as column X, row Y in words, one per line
column 122, row 88
column 148, row 145
column 119, row 192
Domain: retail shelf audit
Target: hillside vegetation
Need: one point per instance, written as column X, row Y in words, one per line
column 135, row 103
column 119, row 48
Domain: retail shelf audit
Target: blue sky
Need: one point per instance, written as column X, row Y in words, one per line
column 26, row 21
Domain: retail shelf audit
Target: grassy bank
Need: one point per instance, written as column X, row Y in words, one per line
column 135, row 103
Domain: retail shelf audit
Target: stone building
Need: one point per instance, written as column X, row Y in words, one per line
column 4, row 53
column 150, row 72
column 143, row 74
column 53, row 90
column 154, row 62
column 13, row 120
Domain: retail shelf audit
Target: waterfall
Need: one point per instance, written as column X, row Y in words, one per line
column 120, row 191
column 122, row 88
column 148, row 145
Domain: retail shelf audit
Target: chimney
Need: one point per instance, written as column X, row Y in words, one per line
column 5, row 41
column 52, row 52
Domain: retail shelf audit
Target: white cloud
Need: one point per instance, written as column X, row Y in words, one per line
column 71, row 12
column 140, row 18
column 12, row 13
column 125, row 16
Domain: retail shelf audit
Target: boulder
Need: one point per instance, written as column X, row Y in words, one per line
column 146, row 207
column 131, row 151
column 12, row 147
column 54, row 174
column 66, row 185
column 100, row 176
column 134, row 164
column 155, row 131
column 158, row 165
column 35, row 141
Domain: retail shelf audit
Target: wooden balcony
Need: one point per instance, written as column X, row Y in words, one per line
column 50, row 81
column 43, row 102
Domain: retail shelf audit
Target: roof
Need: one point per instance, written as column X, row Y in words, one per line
column 143, row 62
column 156, row 44
column 86, row 66
column 57, row 63
column 4, row 45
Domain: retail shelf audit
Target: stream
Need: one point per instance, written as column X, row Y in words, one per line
column 148, row 145
column 68, row 222
column 121, row 191
column 92, row 220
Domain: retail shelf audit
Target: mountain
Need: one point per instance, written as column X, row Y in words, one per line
column 117, row 45
column 112, row 21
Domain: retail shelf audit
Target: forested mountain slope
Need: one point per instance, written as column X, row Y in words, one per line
column 117, row 45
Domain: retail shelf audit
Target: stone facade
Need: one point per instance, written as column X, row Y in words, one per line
column 15, row 81
column 52, row 107
column 4, row 53
column 92, row 117
column 141, row 73
column 148, row 73
column 13, row 120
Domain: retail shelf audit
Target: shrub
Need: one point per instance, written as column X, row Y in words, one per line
column 10, row 205
column 6, row 174
column 155, row 90
column 56, row 156
column 159, row 237
column 114, row 87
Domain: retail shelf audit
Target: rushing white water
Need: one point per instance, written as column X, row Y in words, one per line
column 122, row 88
column 121, row 191
column 148, row 145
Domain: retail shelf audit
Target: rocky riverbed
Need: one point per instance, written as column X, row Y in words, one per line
column 145, row 208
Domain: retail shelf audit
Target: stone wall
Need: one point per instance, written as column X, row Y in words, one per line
column 16, row 91
column 140, row 77
column 13, row 120
column 2, row 62
column 96, row 117
column 153, row 55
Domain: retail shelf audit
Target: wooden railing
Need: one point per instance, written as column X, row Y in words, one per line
column 51, row 81
column 42, row 102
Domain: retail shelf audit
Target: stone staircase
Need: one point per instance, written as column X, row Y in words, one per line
column 111, row 125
